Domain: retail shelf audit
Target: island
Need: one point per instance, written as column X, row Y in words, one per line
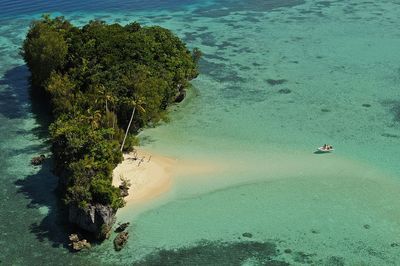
column 103, row 83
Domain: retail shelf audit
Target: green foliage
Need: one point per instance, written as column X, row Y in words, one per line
column 45, row 49
column 103, row 192
column 125, row 182
column 130, row 143
column 95, row 76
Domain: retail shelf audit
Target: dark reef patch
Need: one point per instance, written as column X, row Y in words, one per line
column 274, row 82
column 247, row 234
column 206, row 38
column 243, row 50
column 314, row 231
column 202, row 28
column 394, row 106
column 242, row 67
column 219, row 71
column 251, row 18
column 226, row 44
column 225, row 7
column 288, row 251
column 284, row 91
column 211, row 12
column 324, row 3
column 334, row 261
column 214, row 56
column 303, row 257
column 189, row 36
column 216, row 253
column 388, row 135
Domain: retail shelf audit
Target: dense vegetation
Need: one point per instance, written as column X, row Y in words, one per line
column 99, row 79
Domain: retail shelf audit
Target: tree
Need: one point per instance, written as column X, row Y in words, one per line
column 196, row 54
column 44, row 51
column 138, row 105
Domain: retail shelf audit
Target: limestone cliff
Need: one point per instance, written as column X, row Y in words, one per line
column 97, row 219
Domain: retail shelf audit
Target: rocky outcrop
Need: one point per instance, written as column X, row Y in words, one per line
column 122, row 227
column 181, row 94
column 38, row 160
column 124, row 190
column 77, row 244
column 97, row 219
column 120, row 240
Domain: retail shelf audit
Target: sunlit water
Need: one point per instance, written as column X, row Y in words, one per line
column 338, row 67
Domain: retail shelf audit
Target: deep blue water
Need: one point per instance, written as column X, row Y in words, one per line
column 10, row 8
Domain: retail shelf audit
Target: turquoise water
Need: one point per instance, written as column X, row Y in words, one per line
column 338, row 68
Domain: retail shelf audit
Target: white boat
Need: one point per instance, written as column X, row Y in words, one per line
column 325, row 149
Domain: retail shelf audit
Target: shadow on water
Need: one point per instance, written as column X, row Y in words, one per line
column 14, row 97
column 40, row 190
column 321, row 152
column 18, row 102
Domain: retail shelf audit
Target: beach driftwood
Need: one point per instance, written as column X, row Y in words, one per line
column 141, row 160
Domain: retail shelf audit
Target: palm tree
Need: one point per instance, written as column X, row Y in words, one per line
column 94, row 118
column 136, row 105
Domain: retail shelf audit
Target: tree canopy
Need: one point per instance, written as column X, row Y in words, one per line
column 93, row 76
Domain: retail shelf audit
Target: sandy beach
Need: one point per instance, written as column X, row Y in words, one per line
column 152, row 174
column 149, row 175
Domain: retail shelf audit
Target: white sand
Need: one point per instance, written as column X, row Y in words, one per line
column 149, row 174
column 152, row 174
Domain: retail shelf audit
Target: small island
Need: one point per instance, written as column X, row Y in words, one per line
column 103, row 83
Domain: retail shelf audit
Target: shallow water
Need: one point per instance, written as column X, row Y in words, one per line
column 279, row 78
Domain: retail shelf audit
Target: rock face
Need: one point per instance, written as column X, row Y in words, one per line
column 120, row 240
column 180, row 95
column 78, row 245
column 38, row 160
column 97, row 219
column 124, row 191
column 122, row 227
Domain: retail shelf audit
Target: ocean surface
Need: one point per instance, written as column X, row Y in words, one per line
column 278, row 79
